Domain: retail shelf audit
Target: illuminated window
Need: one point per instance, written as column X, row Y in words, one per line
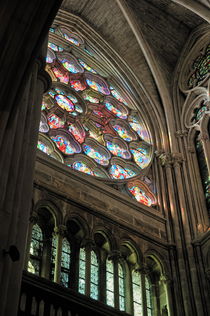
column 121, row 278
column 82, row 270
column 65, row 263
column 137, row 293
column 36, row 250
column 94, row 276
column 110, row 283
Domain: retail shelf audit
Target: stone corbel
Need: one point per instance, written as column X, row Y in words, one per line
column 60, row 230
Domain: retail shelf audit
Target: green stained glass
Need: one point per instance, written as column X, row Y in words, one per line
column 65, row 263
column 148, row 297
column 53, row 257
column 137, row 296
column 94, row 276
column 82, row 270
column 109, row 283
column 121, row 288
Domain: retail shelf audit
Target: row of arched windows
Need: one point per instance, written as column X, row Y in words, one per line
column 90, row 267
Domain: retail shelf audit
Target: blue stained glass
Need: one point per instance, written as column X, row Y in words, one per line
column 118, row 172
column 123, row 133
column 98, row 157
column 63, row 144
column 117, row 150
column 82, row 272
column 115, row 110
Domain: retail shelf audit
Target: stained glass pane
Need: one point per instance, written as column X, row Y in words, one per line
column 117, row 150
column 71, row 39
column 65, row 263
column 53, row 257
column 148, row 297
column 87, row 67
column 109, row 283
column 97, row 86
column 64, row 103
column 43, row 147
column 36, row 248
column 70, row 65
column 123, row 133
column 54, row 47
column 77, row 85
column 81, row 166
column 64, row 145
column 137, row 295
column 121, row 288
column 140, row 195
column 94, row 270
column 54, row 121
column 118, row 172
column 120, row 113
column 141, row 157
column 62, row 76
column 82, row 270
column 96, row 155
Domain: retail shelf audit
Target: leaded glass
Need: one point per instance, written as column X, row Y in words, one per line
column 43, row 147
column 65, row 263
column 140, row 195
column 121, row 288
column 36, row 248
column 63, row 144
column 86, row 66
column 123, row 133
column 109, row 283
column 85, row 115
column 118, row 172
column 53, row 257
column 71, row 39
column 94, row 270
column 54, row 121
column 148, row 297
column 137, row 295
column 82, row 270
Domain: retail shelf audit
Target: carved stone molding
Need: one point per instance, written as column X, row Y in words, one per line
column 115, row 255
column 170, row 159
column 181, row 133
column 165, row 279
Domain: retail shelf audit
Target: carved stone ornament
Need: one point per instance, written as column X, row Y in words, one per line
column 170, row 159
column 181, row 133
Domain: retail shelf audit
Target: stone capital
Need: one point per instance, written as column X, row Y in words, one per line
column 115, row 255
column 33, row 218
column 177, row 159
column 88, row 243
column 165, row 279
column 60, row 230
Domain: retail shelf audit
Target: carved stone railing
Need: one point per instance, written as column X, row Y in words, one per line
column 42, row 297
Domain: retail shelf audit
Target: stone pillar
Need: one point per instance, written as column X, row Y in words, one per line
column 24, row 27
column 60, row 232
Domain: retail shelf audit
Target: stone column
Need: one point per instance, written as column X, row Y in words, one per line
column 24, row 27
column 60, row 232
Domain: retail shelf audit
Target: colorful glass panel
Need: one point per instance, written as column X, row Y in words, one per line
column 141, row 157
column 71, row 39
column 118, row 172
column 63, row 77
column 63, row 145
column 53, row 258
column 117, row 96
column 54, row 121
column 74, row 130
column 64, row 102
column 140, row 195
column 139, row 129
column 81, row 166
column 91, row 99
column 115, row 110
column 97, row 86
column 117, row 150
column 70, row 65
column 43, row 147
column 87, row 67
column 55, row 47
column 77, row 85
column 96, row 155
column 123, row 132
column 36, row 249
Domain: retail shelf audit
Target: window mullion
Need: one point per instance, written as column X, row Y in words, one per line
column 144, row 298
